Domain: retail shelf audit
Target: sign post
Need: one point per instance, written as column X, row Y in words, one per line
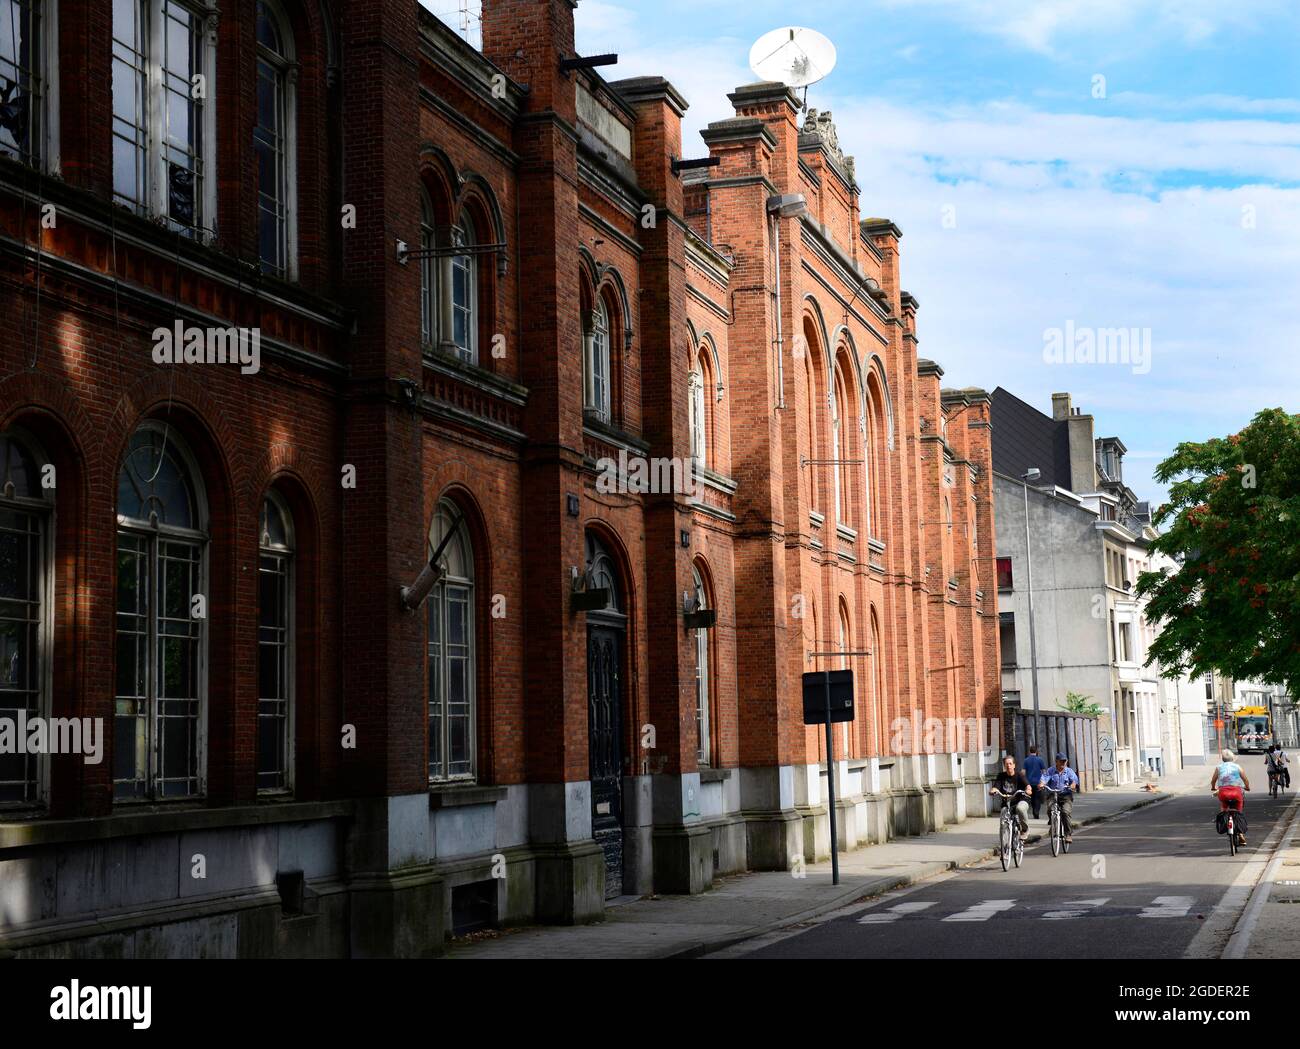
column 828, row 699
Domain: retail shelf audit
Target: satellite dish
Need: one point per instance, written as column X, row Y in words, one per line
column 792, row 56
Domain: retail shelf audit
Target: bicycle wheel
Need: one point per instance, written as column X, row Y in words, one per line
column 1232, row 837
column 1065, row 845
column 1054, row 825
column 1017, row 847
column 1004, row 844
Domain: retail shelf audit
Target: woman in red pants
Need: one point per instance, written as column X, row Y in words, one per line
column 1229, row 782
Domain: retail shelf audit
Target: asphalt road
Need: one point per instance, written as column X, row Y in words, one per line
column 1139, row 886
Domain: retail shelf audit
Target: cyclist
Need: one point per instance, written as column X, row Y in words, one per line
column 1065, row 781
column 1276, row 762
column 1228, row 782
column 1008, row 781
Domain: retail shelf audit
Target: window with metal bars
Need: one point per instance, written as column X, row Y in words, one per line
column 163, row 82
column 160, row 661
column 275, row 641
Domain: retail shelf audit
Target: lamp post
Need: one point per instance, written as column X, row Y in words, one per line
column 1031, row 475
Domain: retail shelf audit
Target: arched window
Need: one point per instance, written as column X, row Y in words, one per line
column 837, row 447
column 28, row 57
column 273, row 143
column 464, row 292
column 703, row 722
column 597, row 362
column 811, row 430
column 697, row 385
column 163, row 135
column 428, row 274
column 25, row 604
column 877, row 685
column 948, row 567
column 451, row 649
column 161, row 614
column 275, row 644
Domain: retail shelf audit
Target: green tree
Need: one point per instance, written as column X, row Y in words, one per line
column 1078, row 704
column 1233, row 527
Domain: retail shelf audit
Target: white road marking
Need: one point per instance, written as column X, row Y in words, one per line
column 1077, row 909
column 981, row 912
column 1168, row 907
column 894, row 913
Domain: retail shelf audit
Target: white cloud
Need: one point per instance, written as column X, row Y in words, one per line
column 1039, row 24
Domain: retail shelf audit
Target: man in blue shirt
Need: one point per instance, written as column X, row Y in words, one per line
column 1034, row 768
column 1063, row 779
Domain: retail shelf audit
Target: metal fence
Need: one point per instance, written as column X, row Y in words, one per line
column 1055, row 731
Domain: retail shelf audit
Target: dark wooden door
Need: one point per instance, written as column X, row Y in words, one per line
column 605, row 741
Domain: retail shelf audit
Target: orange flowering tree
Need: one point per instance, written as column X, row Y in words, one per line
column 1232, row 525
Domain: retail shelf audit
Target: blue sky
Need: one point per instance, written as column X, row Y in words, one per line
column 1171, row 204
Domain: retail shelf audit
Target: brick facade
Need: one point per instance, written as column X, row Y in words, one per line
column 567, row 182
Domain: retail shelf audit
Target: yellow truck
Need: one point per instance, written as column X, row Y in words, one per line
column 1253, row 729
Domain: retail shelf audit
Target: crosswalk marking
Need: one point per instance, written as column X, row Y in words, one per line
column 1168, row 907
column 1067, row 910
column 981, row 912
column 1075, row 909
column 892, row 914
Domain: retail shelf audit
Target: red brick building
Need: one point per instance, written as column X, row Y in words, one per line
column 315, row 293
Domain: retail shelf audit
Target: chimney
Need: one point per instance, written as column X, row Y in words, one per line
column 1060, row 406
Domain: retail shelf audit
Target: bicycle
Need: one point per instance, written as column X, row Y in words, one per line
column 1230, row 823
column 1011, row 846
column 1056, row 822
column 1277, row 777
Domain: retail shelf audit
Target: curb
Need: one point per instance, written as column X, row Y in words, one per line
column 878, row 887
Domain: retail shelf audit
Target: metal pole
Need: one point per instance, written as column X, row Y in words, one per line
column 1033, row 640
column 830, row 782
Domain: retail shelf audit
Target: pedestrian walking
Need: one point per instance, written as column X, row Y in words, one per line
column 1034, row 767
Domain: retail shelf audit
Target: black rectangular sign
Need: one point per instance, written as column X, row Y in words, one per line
column 814, row 696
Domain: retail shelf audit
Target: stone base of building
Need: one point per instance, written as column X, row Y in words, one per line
column 393, row 878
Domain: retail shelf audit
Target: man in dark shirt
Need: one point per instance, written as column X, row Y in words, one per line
column 1034, row 769
column 1008, row 781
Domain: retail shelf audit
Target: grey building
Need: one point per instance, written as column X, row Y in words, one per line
column 1080, row 536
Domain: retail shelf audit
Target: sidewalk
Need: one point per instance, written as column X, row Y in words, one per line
column 1270, row 927
column 746, row 905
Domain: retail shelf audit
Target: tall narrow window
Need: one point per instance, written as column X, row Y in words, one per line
column 163, row 83
column 703, row 728
column 837, row 444
column 24, row 605
column 23, row 81
column 597, row 399
column 428, row 274
column 273, row 140
column 451, row 650
column 275, row 636
column 464, row 293
column 161, row 599
column 698, row 417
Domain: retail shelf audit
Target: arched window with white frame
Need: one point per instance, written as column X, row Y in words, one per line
column 275, row 646
column 703, row 719
column 451, row 654
column 597, row 369
column 697, row 385
column 274, row 139
column 25, row 610
column 161, row 672
column 428, row 273
column 462, row 300
column 838, row 445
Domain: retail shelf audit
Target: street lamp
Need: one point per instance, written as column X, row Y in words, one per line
column 1032, row 474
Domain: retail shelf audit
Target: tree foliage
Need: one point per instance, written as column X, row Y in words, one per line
column 1233, row 527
